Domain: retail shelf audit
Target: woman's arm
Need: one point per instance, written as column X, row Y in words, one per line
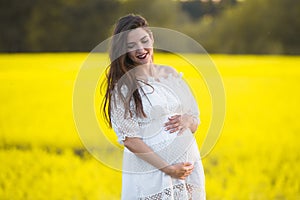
column 139, row 148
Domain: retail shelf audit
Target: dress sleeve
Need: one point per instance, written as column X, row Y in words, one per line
column 123, row 125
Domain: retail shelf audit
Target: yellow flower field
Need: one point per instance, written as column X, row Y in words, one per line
column 256, row 157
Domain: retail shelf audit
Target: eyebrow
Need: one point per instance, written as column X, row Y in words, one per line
column 140, row 39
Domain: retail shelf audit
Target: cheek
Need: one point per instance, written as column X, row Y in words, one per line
column 131, row 55
column 150, row 50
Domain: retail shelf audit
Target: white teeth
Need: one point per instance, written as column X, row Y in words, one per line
column 143, row 56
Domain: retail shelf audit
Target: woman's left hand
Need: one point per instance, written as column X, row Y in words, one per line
column 179, row 123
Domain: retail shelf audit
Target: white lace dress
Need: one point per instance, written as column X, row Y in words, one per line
column 141, row 181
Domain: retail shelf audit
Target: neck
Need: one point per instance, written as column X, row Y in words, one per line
column 146, row 70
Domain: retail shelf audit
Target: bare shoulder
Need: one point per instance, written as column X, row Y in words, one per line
column 165, row 71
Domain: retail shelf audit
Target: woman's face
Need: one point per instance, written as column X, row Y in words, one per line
column 139, row 46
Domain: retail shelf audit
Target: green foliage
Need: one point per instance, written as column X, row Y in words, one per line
column 198, row 9
column 14, row 15
column 256, row 26
column 56, row 25
column 70, row 25
column 158, row 13
column 227, row 26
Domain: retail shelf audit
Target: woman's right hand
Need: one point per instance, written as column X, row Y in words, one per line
column 179, row 170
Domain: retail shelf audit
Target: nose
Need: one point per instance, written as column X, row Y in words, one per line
column 139, row 46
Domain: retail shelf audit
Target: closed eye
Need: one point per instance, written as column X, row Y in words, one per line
column 130, row 46
column 144, row 41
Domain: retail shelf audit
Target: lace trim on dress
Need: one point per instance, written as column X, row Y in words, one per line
column 183, row 191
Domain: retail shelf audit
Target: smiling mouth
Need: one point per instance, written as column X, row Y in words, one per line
column 142, row 56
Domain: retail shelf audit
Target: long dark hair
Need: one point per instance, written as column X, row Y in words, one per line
column 120, row 65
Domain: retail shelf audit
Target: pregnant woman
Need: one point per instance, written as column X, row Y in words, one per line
column 154, row 114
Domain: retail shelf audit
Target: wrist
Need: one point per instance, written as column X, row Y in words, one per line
column 168, row 169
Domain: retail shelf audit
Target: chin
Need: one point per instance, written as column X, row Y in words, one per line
column 140, row 62
column 143, row 62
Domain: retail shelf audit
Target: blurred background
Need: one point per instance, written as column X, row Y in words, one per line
column 221, row 26
column 254, row 44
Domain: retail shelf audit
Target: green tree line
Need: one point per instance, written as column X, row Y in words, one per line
column 255, row 27
column 225, row 26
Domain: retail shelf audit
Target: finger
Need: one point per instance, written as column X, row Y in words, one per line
column 188, row 170
column 171, row 122
column 168, row 127
column 187, row 163
column 174, row 117
column 174, row 130
column 187, row 174
column 191, row 170
column 190, row 167
column 168, row 123
column 173, row 126
column 171, row 129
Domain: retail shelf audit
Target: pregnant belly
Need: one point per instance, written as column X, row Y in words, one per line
column 173, row 147
column 155, row 132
